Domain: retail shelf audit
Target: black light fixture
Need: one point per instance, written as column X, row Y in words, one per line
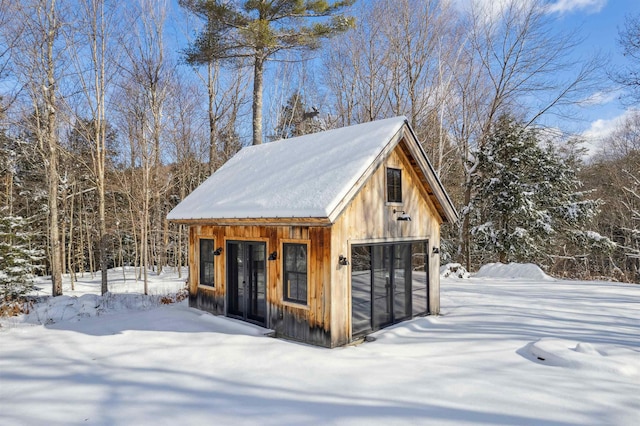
column 436, row 250
column 342, row 260
column 273, row 255
column 403, row 215
column 217, row 251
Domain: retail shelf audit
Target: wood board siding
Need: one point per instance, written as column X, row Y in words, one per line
column 309, row 323
column 369, row 218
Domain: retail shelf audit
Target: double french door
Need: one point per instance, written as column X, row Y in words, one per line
column 246, row 281
column 388, row 284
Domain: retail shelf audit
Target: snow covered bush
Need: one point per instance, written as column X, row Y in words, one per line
column 455, row 270
column 18, row 260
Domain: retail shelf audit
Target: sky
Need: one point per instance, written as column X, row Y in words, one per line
column 599, row 22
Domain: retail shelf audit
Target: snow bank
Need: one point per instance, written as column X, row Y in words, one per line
column 85, row 300
column 49, row 310
column 586, row 356
column 513, row 270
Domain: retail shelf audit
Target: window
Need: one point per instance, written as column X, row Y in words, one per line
column 206, row 262
column 394, row 185
column 295, row 272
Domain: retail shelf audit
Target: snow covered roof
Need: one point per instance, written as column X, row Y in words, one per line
column 302, row 177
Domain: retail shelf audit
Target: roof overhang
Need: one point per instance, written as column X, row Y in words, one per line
column 261, row 221
column 434, row 186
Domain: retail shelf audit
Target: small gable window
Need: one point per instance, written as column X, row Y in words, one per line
column 394, row 185
column 295, row 273
column 206, row 262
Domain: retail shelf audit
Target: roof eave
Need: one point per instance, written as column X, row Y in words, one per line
column 260, row 221
column 447, row 209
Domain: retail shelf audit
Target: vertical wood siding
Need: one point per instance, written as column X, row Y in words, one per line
column 369, row 218
column 310, row 323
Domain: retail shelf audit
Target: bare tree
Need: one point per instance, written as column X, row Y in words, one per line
column 629, row 40
column 356, row 67
column 614, row 173
column 91, row 36
column 37, row 64
column 148, row 73
column 226, row 95
column 190, row 148
column 9, row 35
column 395, row 62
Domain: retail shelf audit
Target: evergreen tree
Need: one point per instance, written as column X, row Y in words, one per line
column 18, row 260
column 527, row 204
column 258, row 30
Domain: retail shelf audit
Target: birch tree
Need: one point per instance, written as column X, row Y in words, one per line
column 92, row 39
column 38, row 66
column 148, row 73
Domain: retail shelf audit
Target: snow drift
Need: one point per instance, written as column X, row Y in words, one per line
column 527, row 271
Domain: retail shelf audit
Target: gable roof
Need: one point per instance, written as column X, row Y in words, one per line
column 310, row 176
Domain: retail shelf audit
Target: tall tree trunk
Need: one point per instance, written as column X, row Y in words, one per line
column 54, row 231
column 466, row 232
column 52, row 145
column 212, row 118
column 103, row 239
column 258, row 74
column 70, row 248
column 144, row 226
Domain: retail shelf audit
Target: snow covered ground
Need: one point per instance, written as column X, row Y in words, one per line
column 510, row 348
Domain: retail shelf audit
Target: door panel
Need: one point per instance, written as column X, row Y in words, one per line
column 256, row 288
column 235, row 279
column 382, row 286
column 419, row 280
column 246, row 280
column 401, row 282
column 360, row 289
column 385, row 289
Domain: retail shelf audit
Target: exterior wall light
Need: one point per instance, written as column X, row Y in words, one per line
column 436, row 250
column 403, row 215
column 342, row 260
column 273, row 256
column 218, row 251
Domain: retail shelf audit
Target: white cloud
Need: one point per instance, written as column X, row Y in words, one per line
column 601, row 98
column 488, row 10
column 491, row 10
column 568, row 6
column 600, row 129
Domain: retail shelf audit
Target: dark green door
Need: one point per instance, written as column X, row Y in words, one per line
column 246, row 281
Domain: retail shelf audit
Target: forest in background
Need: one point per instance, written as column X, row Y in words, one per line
column 107, row 122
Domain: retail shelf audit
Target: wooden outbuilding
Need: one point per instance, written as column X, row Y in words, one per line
column 322, row 238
